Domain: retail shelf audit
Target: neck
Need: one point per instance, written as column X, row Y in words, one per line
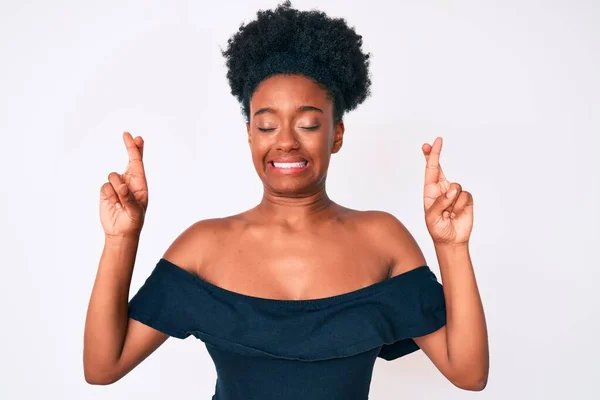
column 294, row 212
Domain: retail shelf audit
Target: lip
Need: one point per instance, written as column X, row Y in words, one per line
column 287, row 171
column 287, row 160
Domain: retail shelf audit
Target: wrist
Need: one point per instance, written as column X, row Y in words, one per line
column 120, row 240
column 451, row 246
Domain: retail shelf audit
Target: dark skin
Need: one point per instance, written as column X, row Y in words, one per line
column 296, row 243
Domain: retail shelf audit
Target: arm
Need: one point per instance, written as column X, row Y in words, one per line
column 459, row 350
column 461, row 347
column 113, row 343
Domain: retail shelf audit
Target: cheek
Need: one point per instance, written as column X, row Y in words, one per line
column 320, row 145
column 258, row 151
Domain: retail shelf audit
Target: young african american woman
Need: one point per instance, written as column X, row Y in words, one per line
column 296, row 297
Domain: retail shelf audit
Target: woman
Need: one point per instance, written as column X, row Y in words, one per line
column 298, row 296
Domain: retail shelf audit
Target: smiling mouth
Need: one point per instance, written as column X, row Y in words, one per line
column 289, row 165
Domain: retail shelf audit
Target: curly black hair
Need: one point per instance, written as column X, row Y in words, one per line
column 310, row 43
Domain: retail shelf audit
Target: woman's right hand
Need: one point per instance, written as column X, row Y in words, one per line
column 124, row 198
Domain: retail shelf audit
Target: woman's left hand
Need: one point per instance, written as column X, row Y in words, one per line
column 449, row 220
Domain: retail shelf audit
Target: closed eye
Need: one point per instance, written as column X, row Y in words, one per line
column 311, row 128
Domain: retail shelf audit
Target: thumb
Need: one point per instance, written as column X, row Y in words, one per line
column 126, row 196
column 446, row 200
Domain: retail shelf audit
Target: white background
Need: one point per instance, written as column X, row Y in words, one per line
column 512, row 86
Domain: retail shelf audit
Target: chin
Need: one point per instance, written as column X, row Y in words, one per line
column 289, row 187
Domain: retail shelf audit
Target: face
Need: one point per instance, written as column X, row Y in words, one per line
column 292, row 134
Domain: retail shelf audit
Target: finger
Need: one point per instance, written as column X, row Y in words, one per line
column 464, row 200
column 108, row 193
column 426, row 150
column 132, row 149
column 121, row 189
column 139, row 142
column 443, row 204
column 432, row 168
column 453, row 187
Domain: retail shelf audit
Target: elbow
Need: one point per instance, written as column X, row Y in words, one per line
column 475, row 386
column 101, row 371
column 99, row 379
column 94, row 376
column 472, row 383
column 470, row 376
column 100, row 382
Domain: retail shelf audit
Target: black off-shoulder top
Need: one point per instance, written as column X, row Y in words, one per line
column 317, row 349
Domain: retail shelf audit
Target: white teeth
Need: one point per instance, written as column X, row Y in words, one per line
column 299, row 164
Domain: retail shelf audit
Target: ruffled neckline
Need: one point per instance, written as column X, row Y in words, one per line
column 322, row 301
column 388, row 314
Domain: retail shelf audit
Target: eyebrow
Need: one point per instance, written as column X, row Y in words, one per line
column 301, row 109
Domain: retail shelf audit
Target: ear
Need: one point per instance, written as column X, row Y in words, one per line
column 338, row 138
column 248, row 132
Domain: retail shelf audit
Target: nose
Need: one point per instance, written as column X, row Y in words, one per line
column 287, row 140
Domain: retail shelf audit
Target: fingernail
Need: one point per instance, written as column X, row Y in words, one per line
column 450, row 193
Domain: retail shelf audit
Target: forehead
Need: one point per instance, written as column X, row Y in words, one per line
column 285, row 90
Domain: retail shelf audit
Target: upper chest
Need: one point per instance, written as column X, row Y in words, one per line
column 281, row 264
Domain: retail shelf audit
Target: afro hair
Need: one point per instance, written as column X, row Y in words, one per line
column 309, row 43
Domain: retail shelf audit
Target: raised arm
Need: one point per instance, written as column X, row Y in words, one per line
column 113, row 343
column 459, row 349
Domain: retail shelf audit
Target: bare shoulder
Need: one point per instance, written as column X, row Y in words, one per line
column 199, row 241
column 392, row 238
column 379, row 223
